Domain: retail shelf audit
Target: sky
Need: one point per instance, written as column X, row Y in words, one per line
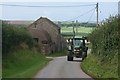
column 81, row 13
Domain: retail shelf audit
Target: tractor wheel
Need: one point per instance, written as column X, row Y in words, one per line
column 69, row 58
column 84, row 55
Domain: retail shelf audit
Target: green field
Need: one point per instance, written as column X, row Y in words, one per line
column 81, row 31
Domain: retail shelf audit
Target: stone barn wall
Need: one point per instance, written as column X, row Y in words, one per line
column 48, row 35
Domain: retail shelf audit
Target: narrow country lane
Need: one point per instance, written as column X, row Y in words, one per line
column 59, row 67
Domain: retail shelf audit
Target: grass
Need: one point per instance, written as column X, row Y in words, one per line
column 0, row 65
column 89, row 46
column 23, row 64
column 1, row 73
column 93, row 66
column 81, row 31
column 57, row 54
column 71, row 34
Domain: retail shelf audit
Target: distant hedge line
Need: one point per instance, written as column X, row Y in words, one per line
column 105, row 39
column 13, row 36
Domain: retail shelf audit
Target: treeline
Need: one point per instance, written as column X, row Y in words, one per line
column 70, row 24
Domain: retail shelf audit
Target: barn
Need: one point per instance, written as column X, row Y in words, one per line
column 47, row 35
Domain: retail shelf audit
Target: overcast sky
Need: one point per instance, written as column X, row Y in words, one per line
column 58, row 13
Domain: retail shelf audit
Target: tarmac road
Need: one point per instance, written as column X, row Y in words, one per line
column 59, row 67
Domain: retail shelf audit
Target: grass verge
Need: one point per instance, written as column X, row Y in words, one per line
column 57, row 54
column 0, row 67
column 89, row 46
column 23, row 64
column 99, row 70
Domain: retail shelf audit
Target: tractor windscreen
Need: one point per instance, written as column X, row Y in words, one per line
column 77, row 43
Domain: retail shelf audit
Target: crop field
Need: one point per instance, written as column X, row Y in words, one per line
column 80, row 31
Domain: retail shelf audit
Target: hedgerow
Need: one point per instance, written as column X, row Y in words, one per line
column 103, row 60
column 105, row 39
column 13, row 36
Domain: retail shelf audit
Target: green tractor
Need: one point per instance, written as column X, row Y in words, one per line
column 76, row 48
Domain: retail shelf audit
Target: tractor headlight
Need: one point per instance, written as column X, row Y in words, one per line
column 74, row 49
column 70, row 40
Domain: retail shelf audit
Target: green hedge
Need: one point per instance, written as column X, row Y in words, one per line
column 105, row 39
column 103, row 62
column 13, row 36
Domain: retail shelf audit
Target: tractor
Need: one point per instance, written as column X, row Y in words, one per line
column 76, row 48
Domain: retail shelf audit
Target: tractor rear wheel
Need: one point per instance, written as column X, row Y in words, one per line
column 69, row 56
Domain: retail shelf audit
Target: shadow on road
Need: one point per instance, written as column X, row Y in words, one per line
column 77, row 60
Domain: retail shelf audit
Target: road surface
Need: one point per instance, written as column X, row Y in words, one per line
column 59, row 67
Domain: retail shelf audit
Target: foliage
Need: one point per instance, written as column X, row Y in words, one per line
column 13, row 36
column 105, row 39
column 93, row 67
column 23, row 60
column 103, row 61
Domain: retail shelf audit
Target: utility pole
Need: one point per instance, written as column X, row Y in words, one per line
column 97, row 14
column 73, row 29
column 76, row 26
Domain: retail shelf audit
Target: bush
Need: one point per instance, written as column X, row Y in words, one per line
column 105, row 39
column 13, row 36
column 103, row 61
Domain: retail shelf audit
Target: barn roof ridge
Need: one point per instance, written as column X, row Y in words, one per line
column 47, row 20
